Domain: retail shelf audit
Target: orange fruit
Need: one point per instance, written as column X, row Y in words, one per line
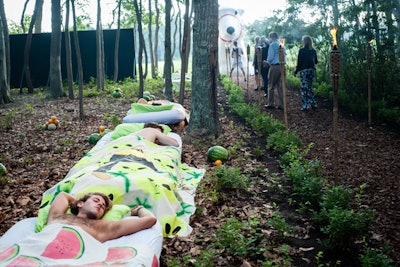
column 102, row 128
column 53, row 118
column 218, row 162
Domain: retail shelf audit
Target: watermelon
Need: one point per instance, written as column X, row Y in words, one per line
column 3, row 170
column 9, row 253
column 68, row 244
column 116, row 94
column 120, row 253
column 26, row 261
column 217, row 152
column 94, row 138
column 146, row 93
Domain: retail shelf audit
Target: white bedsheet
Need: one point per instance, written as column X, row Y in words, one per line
column 151, row 237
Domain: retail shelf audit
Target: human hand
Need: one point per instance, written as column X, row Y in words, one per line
column 135, row 210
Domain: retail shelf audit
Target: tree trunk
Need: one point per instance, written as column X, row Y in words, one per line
column 6, row 37
column 22, row 21
column 27, row 50
column 152, row 64
column 56, row 88
column 156, row 33
column 79, row 62
column 39, row 15
column 185, row 48
column 168, row 57
column 203, row 110
column 4, row 85
column 99, row 49
column 68, row 57
column 141, row 44
column 116, row 47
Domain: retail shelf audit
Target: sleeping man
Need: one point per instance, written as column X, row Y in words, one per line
column 87, row 212
column 154, row 132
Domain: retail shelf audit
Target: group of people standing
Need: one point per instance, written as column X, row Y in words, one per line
column 266, row 63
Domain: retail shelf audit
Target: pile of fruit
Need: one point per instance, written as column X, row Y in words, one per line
column 51, row 124
column 95, row 137
column 217, row 154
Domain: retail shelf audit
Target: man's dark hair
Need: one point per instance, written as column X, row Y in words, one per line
column 153, row 125
column 74, row 206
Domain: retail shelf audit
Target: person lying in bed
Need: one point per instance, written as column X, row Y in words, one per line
column 87, row 212
column 154, row 132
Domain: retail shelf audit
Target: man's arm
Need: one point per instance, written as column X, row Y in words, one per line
column 166, row 140
column 127, row 226
column 59, row 206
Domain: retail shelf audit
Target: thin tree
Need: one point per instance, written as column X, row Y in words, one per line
column 150, row 34
column 27, row 50
column 79, row 62
column 185, row 48
column 56, row 88
column 6, row 37
column 117, row 37
column 138, row 12
column 156, row 34
column 99, row 49
column 203, row 109
column 168, row 57
column 4, row 85
column 39, row 15
column 68, row 56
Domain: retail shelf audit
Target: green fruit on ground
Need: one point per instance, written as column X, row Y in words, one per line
column 116, row 94
column 217, row 152
column 51, row 127
column 146, row 97
column 3, row 170
column 152, row 97
column 146, row 93
column 94, row 138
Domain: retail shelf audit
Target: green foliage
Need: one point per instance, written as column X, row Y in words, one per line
column 228, row 178
column 344, row 227
column 281, row 141
column 279, row 223
column 7, row 120
column 115, row 120
column 373, row 258
column 240, row 239
column 339, row 222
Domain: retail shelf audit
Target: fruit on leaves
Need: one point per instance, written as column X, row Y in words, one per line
column 217, row 153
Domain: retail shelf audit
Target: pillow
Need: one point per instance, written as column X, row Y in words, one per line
column 143, row 108
column 116, row 213
column 128, row 128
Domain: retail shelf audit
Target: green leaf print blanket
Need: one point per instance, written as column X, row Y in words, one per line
column 133, row 171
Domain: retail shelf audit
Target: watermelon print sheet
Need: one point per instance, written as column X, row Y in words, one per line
column 133, row 171
column 66, row 245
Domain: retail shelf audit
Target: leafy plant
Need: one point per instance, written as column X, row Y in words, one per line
column 227, row 178
column 7, row 120
column 281, row 141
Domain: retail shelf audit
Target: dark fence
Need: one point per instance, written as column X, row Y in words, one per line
column 39, row 60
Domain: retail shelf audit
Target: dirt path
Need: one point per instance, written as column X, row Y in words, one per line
column 365, row 155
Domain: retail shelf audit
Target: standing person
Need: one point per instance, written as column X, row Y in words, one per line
column 274, row 73
column 236, row 55
column 264, row 65
column 257, row 46
column 306, row 60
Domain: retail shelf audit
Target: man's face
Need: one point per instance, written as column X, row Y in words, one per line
column 94, row 207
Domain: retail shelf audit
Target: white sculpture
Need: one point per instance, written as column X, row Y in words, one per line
column 230, row 29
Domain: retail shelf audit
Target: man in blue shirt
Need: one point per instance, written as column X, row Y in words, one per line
column 274, row 73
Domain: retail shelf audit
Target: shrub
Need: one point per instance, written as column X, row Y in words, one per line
column 281, row 141
column 228, row 178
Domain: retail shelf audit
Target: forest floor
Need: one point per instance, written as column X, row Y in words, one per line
column 38, row 159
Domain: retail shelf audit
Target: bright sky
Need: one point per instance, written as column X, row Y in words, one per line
column 253, row 9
